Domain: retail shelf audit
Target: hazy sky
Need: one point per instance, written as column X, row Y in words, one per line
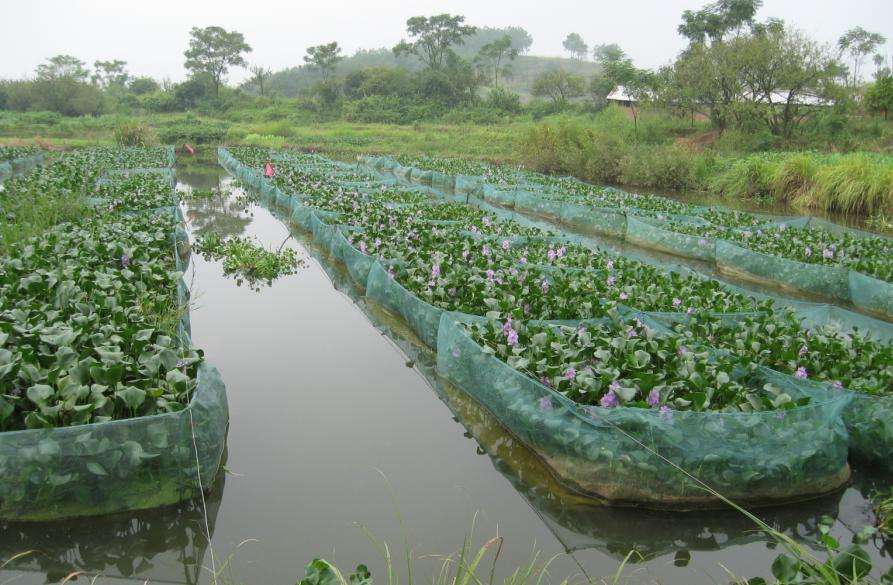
column 151, row 35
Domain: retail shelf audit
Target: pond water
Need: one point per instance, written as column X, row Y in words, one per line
column 337, row 424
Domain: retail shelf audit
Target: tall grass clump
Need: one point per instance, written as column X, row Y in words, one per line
column 573, row 148
column 852, row 183
column 135, row 134
column 794, row 176
column 750, row 177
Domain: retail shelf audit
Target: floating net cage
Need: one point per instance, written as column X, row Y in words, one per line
column 127, row 464
column 624, row 455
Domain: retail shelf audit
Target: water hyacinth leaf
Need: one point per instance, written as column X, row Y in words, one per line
column 133, row 397
column 785, row 568
column 852, row 562
column 39, row 393
column 96, row 469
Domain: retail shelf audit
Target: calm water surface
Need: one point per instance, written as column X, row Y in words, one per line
column 337, row 426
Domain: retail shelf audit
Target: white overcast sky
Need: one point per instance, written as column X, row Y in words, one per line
column 151, row 35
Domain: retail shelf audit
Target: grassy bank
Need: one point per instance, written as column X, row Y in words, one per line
column 658, row 151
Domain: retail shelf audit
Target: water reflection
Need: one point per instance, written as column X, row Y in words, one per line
column 168, row 544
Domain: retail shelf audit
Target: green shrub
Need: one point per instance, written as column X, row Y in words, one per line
column 265, row 140
column 194, row 131
column 134, row 134
column 664, row 167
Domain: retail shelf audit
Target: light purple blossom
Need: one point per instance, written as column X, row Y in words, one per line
column 807, row 251
column 803, row 351
column 545, row 286
column 677, row 302
column 551, row 255
column 609, row 400
column 801, row 373
column 571, row 373
column 545, row 403
column 125, row 260
column 435, row 271
column 486, row 221
column 702, row 242
column 632, row 333
column 666, row 413
column 363, row 247
column 623, row 296
column 523, row 260
column 465, row 254
column 545, row 382
column 653, row 397
column 610, row 264
column 512, row 338
column 505, row 244
column 827, row 254
column 837, row 385
column 561, row 251
column 455, row 351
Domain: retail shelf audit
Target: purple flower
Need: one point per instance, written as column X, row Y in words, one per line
column 666, row 413
column 485, row 250
column 571, row 373
column 632, row 333
column 623, row 296
column 609, row 400
column 512, row 338
column 681, row 351
column 551, row 255
column 827, row 254
column 801, row 373
column 545, row 403
column 486, row 221
column 702, row 242
column 474, row 229
column 506, row 327
column 125, row 260
column 435, row 271
column 610, row 264
column 363, row 247
column 780, row 415
column 523, row 260
column 490, row 274
column 677, row 302
column 545, row 286
column 807, row 251
column 837, row 385
column 611, row 280
column 465, row 254
column 505, row 244
column 653, row 398
column 545, row 382
column 391, row 273
column 561, row 251
column 455, row 352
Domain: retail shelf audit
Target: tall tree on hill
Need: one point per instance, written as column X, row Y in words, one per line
column 717, row 19
column 576, row 46
column 324, row 58
column 858, row 43
column 432, row 38
column 496, row 57
column 259, row 76
column 213, row 50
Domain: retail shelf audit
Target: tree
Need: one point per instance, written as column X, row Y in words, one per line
column 496, row 57
column 143, row 85
column 558, row 85
column 63, row 66
column 324, row 58
column 880, row 68
column 259, row 76
column 110, row 73
column 714, row 21
column 608, row 53
column 859, row 43
column 432, row 38
column 213, row 50
column 575, row 45
column 879, row 96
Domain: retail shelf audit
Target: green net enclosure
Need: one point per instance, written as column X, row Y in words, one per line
column 645, row 233
column 426, row 322
column 124, row 464
column 623, row 455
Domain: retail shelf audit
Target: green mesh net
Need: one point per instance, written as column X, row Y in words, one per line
column 753, row 457
column 128, row 464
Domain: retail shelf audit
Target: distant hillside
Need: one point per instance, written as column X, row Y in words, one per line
column 292, row 81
